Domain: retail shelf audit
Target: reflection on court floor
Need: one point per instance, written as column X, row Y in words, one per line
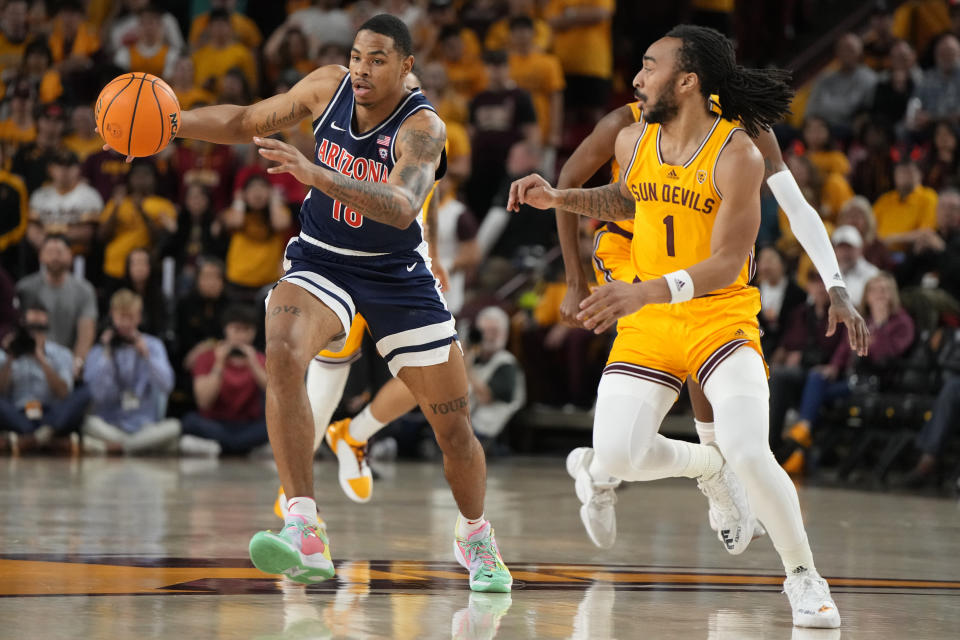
column 129, row 548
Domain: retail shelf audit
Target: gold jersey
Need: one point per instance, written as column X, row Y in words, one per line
column 676, row 205
column 637, row 112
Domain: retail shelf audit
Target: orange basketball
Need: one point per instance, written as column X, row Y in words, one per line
column 137, row 114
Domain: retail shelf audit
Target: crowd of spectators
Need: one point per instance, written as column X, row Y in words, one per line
column 140, row 285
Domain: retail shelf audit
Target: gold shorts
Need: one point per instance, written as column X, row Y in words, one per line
column 665, row 343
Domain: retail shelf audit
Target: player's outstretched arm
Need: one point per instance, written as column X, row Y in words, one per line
column 609, row 202
column 233, row 124
column 586, row 160
column 812, row 235
column 396, row 202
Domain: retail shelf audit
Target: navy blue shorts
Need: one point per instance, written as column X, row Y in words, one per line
column 396, row 293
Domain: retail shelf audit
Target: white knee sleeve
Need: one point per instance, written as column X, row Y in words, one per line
column 325, row 385
column 625, row 440
column 740, row 398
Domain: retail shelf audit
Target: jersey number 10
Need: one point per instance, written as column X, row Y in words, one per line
column 350, row 216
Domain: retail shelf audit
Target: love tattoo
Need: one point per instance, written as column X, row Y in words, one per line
column 285, row 308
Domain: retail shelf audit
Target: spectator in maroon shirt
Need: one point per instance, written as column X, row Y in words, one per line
column 500, row 116
column 228, row 383
column 891, row 334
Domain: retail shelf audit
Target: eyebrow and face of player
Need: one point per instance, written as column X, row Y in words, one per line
column 655, row 85
column 376, row 68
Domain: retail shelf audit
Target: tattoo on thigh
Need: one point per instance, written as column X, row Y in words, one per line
column 285, row 308
column 451, row 406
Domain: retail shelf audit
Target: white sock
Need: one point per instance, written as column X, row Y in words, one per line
column 599, row 475
column 364, row 425
column 705, row 431
column 467, row 527
column 705, row 460
column 797, row 559
column 301, row 506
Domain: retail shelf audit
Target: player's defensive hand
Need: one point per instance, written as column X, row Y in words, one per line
column 609, row 302
column 533, row 190
column 288, row 159
column 570, row 307
column 440, row 273
column 842, row 310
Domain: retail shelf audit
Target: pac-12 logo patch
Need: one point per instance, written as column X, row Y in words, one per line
column 701, row 176
column 383, row 153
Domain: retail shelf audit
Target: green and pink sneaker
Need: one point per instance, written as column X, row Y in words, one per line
column 479, row 555
column 301, row 551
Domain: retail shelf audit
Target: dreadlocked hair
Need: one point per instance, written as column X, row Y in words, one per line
column 758, row 98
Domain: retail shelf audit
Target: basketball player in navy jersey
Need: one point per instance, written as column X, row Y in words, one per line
column 379, row 148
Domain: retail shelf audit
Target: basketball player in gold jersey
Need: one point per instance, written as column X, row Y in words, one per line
column 611, row 261
column 691, row 183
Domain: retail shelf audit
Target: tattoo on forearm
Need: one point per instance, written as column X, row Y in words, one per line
column 375, row 200
column 385, row 202
column 451, row 406
column 603, row 203
column 276, row 122
column 285, row 308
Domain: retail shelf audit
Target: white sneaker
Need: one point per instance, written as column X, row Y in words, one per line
column 810, row 599
column 598, row 499
column 758, row 529
column 730, row 508
column 201, row 447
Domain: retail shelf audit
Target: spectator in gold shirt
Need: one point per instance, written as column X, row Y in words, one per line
column 139, row 219
column 907, row 213
column 247, row 31
column 13, row 34
column 583, row 42
column 498, row 35
column 223, row 53
column 258, row 221
column 541, row 75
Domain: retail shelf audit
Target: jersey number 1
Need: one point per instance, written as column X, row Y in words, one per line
column 668, row 221
column 350, row 216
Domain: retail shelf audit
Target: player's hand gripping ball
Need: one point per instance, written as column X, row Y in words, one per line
column 137, row 114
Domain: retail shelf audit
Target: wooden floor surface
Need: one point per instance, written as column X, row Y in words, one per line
column 107, row 548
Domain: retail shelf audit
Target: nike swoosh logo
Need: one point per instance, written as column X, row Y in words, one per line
column 412, row 267
column 334, row 125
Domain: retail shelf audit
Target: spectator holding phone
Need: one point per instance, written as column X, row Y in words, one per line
column 37, row 399
column 228, row 384
column 130, row 378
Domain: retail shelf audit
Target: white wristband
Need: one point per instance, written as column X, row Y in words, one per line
column 681, row 286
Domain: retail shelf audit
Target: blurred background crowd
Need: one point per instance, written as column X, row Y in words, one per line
column 131, row 293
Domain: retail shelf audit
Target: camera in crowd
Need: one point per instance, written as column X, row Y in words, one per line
column 118, row 340
column 23, row 343
column 474, row 336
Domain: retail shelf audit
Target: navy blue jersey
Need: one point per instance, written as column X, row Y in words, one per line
column 363, row 156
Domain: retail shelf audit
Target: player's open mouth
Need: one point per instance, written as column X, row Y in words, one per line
column 361, row 88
